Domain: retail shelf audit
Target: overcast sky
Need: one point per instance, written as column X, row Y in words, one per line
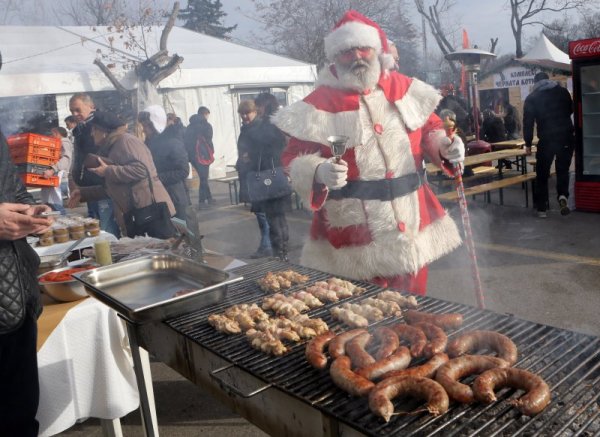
column 483, row 19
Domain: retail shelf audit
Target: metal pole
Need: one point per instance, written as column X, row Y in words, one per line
column 464, row 212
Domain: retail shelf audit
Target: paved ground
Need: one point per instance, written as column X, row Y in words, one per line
column 544, row 270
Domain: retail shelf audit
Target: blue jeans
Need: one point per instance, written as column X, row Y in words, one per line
column 103, row 211
column 263, row 225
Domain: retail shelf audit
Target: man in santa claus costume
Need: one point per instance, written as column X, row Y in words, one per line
column 375, row 217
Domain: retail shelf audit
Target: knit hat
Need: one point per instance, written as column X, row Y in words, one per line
column 356, row 30
column 158, row 117
column 106, row 120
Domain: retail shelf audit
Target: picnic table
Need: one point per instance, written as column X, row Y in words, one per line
column 501, row 156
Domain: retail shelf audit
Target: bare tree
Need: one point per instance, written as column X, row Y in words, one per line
column 89, row 12
column 527, row 12
column 293, row 29
column 149, row 69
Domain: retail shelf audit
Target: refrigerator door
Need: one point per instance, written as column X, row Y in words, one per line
column 590, row 120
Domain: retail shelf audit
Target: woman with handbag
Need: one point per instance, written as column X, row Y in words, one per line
column 265, row 145
column 142, row 205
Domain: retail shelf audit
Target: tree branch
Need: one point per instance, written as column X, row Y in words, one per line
column 120, row 88
column 168, row 26
column 167, row 70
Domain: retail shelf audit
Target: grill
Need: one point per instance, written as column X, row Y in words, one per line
column 568, row 361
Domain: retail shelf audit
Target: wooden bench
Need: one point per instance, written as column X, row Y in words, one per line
column 491, row 186
column 231, row 182
column 481, row 172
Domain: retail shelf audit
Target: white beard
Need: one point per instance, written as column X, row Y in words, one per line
column 359, row 80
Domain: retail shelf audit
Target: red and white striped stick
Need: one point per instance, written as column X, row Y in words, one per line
column 464, row 212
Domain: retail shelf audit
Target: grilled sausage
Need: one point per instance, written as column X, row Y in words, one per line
column 477, row 340
column 399, row 360
column 380, row 398
column 445, row 321
column 356, row 349
column 343, row 376
column 414, row 336
column 531, row 403
column 337, row 346
column 427, row 370
column 436, row 336
column 388, row 342
column 450, row 373
column 314, row 350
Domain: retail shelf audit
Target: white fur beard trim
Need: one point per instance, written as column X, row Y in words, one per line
column 305, row 122
column 418, row 103
column 302, row 173
column 384, row 257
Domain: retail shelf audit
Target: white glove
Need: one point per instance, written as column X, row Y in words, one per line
column 332, row 174
column 453, row 150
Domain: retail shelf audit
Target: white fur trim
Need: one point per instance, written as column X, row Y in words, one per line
column 418, row 103
column 388, row 255
column 302, row 174
column 345, row 212
column 351, row 34
column 305, row 122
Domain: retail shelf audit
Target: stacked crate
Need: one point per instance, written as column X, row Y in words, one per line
column 33, row 154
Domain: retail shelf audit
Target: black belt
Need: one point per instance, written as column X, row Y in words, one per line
column 383, row 189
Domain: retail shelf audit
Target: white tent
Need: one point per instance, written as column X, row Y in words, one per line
column 51, row 60
column 546, row 54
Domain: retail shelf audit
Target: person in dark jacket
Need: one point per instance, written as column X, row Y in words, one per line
column 19, row 394
column 179, row 128
column 199, row 145
column 549, row 107
column 492, row 129
column 82, row 107
column 266, row 143
column 512, row 122
column 247, row 111
column 169, row 155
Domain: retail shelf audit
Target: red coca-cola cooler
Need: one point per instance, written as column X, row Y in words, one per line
column 585, row 55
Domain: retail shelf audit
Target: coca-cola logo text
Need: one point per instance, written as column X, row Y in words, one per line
column 589, row 48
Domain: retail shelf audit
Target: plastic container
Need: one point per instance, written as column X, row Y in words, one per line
column 35, row 180
column 102, row 252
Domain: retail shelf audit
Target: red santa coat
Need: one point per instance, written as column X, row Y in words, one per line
column 391, row 130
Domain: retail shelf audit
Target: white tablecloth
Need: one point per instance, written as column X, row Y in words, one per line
column 85, row 369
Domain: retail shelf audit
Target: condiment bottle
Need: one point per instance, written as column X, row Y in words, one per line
column 102, row 252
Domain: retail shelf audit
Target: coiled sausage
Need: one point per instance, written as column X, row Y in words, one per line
column 337, row 346
column 314, row 350
column 414, row 336
column 445, row 321
column 477, row 340
column 427, row 370
column 398, row 360
column 343, row 376
column 436, row 336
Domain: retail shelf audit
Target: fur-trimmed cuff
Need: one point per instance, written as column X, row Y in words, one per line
column 302, row 173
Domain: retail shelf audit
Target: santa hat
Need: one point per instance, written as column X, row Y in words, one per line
column 158, row 117
column 356, row 30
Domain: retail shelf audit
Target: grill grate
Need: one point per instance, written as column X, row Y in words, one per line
column 568, row 361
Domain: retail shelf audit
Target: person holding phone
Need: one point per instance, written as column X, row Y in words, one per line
column 20, row 304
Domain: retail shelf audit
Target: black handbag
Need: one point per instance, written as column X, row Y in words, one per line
column 267, row 184
column 12, row 291
column 154, row 219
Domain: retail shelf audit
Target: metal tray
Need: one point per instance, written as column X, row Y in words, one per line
column 143, row 289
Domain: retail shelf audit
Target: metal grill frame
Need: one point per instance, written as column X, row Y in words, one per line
column 568, row 361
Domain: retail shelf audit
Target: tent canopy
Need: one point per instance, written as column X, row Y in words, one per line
column 546, row 54
column 59, row 60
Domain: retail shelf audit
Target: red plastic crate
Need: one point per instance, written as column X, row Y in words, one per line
column 32, row 158
column 23, row 148
column 29, row 139
column 35, row 180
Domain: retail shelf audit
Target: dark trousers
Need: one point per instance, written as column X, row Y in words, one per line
column 19, row 385
column 204, row 192
column 546, row 152
column 278, row 231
